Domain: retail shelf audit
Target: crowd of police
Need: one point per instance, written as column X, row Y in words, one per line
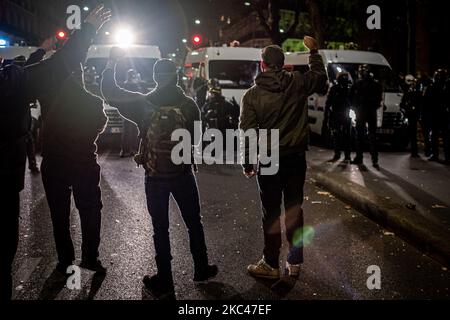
column 425, row 105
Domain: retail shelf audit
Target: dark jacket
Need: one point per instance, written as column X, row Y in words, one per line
column 338, row 101
column 36, row 82
column 279, row 101
column 136, row 107
column 72, row 123
column 367, row 95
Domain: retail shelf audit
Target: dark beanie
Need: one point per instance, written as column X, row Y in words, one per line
column 273, row 56
column 165, row 72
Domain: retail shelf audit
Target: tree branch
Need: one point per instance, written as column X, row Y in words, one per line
column 293, row 28
column 262, row 20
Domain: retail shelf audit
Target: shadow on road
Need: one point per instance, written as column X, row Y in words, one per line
column 53, row 286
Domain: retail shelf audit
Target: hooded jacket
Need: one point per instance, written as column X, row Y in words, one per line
column 278, row 100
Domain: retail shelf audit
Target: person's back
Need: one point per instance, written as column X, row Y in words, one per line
column 367, row 94
column 279, row 100
column 72, row 123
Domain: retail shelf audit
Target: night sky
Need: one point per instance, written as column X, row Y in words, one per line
column 167, row 22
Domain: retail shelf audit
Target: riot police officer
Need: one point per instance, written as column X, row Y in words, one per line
column 217, row 112
column 367, row 96
column 410, row 107
column 436, row 102
column 337, row 110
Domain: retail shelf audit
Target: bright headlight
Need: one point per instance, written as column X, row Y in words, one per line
column 124, row 38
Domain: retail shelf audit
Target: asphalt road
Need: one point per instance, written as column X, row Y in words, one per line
column 344, row 245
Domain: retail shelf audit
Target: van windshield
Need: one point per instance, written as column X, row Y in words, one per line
column 144, row 66
column 234, row 74
column 383, row 74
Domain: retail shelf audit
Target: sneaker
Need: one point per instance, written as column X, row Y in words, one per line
column 263, row 270
column 95, row 266
column 205, row 274
column 62, row 269
column 156, row 284
column 293, row 270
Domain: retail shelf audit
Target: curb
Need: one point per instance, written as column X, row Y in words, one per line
column 428, row 236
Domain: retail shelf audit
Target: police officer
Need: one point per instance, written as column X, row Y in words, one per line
column 217, row 112
column 436, row 102
column 337, row 109
column 130, row 132
column 410, row 106
column 367, row 96
column 17, row 87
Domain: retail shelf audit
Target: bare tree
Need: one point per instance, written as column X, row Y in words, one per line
column 271, row 23
column 316, row 21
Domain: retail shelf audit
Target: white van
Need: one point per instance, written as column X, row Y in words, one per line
column 9, row 53
column 139, row 57
column 392, row 126
column 234, row 67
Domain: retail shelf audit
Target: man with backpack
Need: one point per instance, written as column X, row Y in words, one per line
column 158, row 114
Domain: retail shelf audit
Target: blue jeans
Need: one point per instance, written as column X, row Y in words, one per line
column 184, row 190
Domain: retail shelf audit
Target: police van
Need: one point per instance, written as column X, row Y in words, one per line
column 392, row 125
column 141, row 58
column 234, row 67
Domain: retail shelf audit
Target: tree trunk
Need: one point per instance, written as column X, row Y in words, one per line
column 316, row 21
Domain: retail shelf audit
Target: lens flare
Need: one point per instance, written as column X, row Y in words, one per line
column 304, row 237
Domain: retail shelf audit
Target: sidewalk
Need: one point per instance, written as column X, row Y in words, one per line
column 409, row 196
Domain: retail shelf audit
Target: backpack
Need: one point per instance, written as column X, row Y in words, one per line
column 156, row 145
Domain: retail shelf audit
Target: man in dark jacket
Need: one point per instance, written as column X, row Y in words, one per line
column 279, row 101
column 217, row 111
column 130, row 134
column 141, row 109
column 337, row 110
column 436, row 102
column 367, row 95
column 72, row 123
column 19, row 87
column 410, row 106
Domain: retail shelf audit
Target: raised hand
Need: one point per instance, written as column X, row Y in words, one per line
column 311, row 43
column 98, row 17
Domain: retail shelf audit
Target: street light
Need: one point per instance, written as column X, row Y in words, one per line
column 184, row 40
column 124, row 38
column 247, row 4
column 197, row 21
column 86, row 8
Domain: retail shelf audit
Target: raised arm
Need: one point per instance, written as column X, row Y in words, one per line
column 131, row 105
column 43, row 77
column 315, row 80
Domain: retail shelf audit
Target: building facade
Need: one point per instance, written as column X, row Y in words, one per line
column 28, row 22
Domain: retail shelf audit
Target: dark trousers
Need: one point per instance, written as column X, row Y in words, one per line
column 185, row 192
column 61, row 179
column 366, row 125
column 286, row 185
column 9, row 238
column 440, row 128
column 341, row 124
column 31, row 144
column 129, row 137
column 412, row 133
